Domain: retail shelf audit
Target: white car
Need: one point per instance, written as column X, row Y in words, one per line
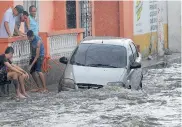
column 100, row 61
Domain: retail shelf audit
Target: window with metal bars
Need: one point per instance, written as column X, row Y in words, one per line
column 86, row 17
column 71, row 14
column 27, row 4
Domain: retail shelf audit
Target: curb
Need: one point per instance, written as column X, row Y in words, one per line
column 174, row 60
column 156, row 65
column 163, row 63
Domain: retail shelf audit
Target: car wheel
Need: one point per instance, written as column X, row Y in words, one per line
column 129, row 87
column 60, row 87
column 141, row 85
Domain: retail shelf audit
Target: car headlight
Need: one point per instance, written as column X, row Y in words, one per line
column 69, row 83
column 116, row 84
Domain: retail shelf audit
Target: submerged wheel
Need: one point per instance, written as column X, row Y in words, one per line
column 129, row 87
column 141, row 84
column 60, row 86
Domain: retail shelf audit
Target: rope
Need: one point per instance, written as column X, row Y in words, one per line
column 46, row 66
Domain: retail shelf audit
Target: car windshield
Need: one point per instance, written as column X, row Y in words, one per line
column 100, row 55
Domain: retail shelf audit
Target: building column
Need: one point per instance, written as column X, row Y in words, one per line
column 126, row 19
column 77, row 14
column 121, row 21
column 93, row 18
column 60, row 19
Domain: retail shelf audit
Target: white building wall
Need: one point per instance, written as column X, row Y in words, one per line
column 174, row 25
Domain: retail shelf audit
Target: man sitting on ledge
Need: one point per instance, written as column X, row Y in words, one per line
column 15, row 73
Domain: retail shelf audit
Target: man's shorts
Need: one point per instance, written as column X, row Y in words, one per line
column 3, row 76
column 37, row 67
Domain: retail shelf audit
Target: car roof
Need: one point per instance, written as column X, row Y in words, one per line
column 106, row 40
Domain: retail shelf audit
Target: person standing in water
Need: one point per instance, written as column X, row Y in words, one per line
column 37, row 57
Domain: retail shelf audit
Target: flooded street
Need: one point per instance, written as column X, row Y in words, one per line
column 157, row 105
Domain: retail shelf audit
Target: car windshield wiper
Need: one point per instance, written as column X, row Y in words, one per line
column 77, row 63
column 101, row 65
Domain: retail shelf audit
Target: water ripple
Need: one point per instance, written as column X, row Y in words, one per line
column 157, row 105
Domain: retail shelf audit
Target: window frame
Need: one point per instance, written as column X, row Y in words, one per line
column 71, row 23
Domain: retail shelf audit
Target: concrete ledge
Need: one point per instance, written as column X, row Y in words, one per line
column 175, row 60
column 155, row 65
column 147, row 64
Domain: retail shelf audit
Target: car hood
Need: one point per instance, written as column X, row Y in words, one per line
column 93, row 75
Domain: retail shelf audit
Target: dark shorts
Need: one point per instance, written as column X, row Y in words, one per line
column 3, row 76
column 37, row 67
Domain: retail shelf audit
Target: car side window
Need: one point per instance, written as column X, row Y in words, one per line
column 130, row 53
column 134, row 51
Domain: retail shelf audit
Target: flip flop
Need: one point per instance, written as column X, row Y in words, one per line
column 44, row 90
column 26, row 95
column 22, row 97
column 35, row 90
column 17, row 99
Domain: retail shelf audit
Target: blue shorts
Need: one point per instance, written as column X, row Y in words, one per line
column 37, row 67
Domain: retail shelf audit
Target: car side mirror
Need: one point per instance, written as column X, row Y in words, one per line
column 63, row 60
column 135, row 65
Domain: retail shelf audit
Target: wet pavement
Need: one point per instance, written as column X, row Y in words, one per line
column 157, row 105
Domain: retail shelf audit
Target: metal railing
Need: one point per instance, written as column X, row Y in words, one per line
column 57, row 44
column 62, row 45
column 21, row 52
